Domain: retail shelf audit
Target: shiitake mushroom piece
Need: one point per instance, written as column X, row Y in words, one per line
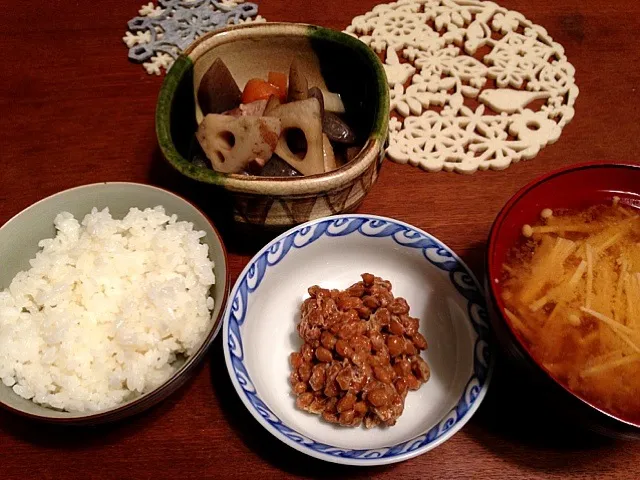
column 218, row 92
column 337, row 129
column 332, row 125
column 277, row 167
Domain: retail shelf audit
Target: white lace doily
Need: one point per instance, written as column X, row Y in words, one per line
column 163, row 31
column 473, row 85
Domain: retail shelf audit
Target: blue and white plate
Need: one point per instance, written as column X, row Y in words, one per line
column 260, row 333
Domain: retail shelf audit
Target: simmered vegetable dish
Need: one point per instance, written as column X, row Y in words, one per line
column 273, row 127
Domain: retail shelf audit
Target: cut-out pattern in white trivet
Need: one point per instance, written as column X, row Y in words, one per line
column 473, row 85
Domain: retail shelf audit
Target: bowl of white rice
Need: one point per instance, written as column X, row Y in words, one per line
column 110, row 295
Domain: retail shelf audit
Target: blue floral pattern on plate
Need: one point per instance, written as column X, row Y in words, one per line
column 404, row 235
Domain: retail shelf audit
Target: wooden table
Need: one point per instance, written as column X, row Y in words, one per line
column 75, row 111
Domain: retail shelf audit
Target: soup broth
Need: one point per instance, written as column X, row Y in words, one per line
column 571, row 290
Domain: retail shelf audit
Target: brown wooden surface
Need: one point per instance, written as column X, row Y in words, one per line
column 73, row 110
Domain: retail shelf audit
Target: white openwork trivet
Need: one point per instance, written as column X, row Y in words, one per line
column 473, row 85
column 163, row 31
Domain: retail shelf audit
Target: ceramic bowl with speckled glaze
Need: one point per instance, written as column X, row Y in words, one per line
column 334, row 62
column 19, row 239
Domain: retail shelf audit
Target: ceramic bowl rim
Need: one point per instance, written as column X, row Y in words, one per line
column 483, row 341
column 176, row 380
column 492, row 269
column 307, row 185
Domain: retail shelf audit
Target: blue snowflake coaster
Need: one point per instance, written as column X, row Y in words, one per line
column 162, row 32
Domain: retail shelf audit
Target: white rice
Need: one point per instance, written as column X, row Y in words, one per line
column 105, row 308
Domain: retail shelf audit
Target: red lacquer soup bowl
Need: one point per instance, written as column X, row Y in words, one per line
column 574, row 187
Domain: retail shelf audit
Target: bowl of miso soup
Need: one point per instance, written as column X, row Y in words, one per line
column 563, row 278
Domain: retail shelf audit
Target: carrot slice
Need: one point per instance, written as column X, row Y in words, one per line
column 279, row 79
column 258, row 89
